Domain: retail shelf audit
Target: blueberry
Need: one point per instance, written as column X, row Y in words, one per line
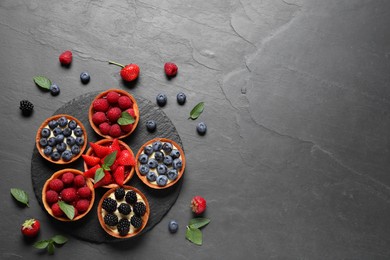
column 161, row 99
column 70, row 141
column 75, row 149
column 55, row 156
column 177, row 164
column 67, row 132
column 151, row 125
column 159, row 156
column 72, row 124
column 53, row 124
column 48, row 150
column 67, row 155
column 61, row 147
column 162, row 180
column 62, row 121
column 162, row 169
column 143, row 169
column 151, row 176
column 54, row 89
column 143, row 158
column 59, row 138
column 152, row 163
column 45, row 132
column 201, row 128
column 172, row 174
column 181, row 98
column 78, row 131
column 175, row 154
column 84, row 77
column 57, row 131
column 79, row 141
column 51, row 141
column 157, row 146
column 148, row 150
column 167, row 160
column 173, row 226
column 167, row 147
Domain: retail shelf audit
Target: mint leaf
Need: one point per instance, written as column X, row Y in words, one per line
column 20, row 195
column 41, row 244
column 99, row 175
column 67, row 209
column 58, row 239
column 125, row 119
column 110, row 159
column 198, row 222
column 196, row 111
column 42, row 82
column 50, row 247
column 194, row 235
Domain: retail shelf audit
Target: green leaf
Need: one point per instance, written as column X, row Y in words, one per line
column 58, row 239
column 196, row 111
column 125, row 119
column 50, row 248
column 41, row 244
column 67, row 209
column 194, row 235
column 198, row 222
column 42, row 82
column 20, row 195
column 99, row 175
column 110, row 159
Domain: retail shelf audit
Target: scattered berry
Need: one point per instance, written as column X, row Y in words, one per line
column 84, row 77
column 66, row 58
column 54, row 89
column 84, row 192
column 123, row 226
column 27, row 107
column 181, row 98
column 131, row 197
column 30, row 228
column 129, row 72
column 136, row 221
column 173, row 226
column 201, row 128
column 139, row 208
column 109, row 205
column 124, row 102
column 124, row 209
column 170, row 69
column 51, row 196
column 151, row 125
column 82, row 205
column 119, row 193
column 161, row 99
column 198, row 205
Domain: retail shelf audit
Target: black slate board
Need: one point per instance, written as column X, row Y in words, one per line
column 160, row 201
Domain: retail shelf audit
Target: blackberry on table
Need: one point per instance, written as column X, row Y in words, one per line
column 111, row 219
column 136, row 221
column 27, row 107
column 139, row 208
column 124, row 209
column 119, row 193
column 123, row 226
column 109, row 205
column 131, row 197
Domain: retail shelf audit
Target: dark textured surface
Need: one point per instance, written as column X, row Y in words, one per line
column 160, row 201
column 295, row 163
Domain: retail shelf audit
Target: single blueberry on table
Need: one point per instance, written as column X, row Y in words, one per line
column 161, row 99
column 201, row 128
column 181, row 98
column 151, row 125
column 45, row 132
column 151, row 176
column 85, row 77
column 173, row 226
column 54, row 89
column 162, row 180
column 143, row 158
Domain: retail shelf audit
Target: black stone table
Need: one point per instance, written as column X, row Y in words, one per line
column 295, row 163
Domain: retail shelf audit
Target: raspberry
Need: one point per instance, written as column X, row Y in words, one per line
column 113, row 114
column 111, row 219
column 170, row 69
column 115, row 131
column 51, row 196
column 66, row 58
column 139, row 208
column 82, row 205
column 127, row 128
column 104, row 128
column 68, row 194
column 124, row 102
column 79, row 181
column 123, row 226
column 124, row 209
column 67, row 178
column 198, row 205
column 84, row 192
column 131, row 197
column 131, row 112
column 99, row 117
column 109, row 205
column 57, row 211
column 112, row 97
column 100, row 104
column 136, row 221
column 56, row 185
column 119, row 193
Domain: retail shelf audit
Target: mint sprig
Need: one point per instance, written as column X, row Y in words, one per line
column 42, row 82
column 20, row 195
column 49, row 244
column 125, row 119
column 107, row 163
column 196, row 111
column 193, row 232
column 67, row 209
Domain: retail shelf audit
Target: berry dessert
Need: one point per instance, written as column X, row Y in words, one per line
column 61, row 139
column 114, row 114
column 123, row 212
column 109, row 163
column 68, row 189
column 160, row 163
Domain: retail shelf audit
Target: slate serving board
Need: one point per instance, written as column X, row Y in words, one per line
column 160, row 201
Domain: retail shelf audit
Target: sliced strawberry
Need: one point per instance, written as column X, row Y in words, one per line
column 107, row 179
column 114, row 166
column 119, row 175
column 91, row 172
column 100, row 150
column 126, row 158
column 115, row 147
column 91, row 160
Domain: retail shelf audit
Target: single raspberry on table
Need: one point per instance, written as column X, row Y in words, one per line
column 198, row 205
column 170, row 69
column 65, row 58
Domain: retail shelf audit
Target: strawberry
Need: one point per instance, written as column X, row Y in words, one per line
column 119, row 175
column 107, row 179
column 100, row 150
column 65, row 58
column 115, row 147
column 198, row 205
column 30, row 228
column 170, row 69
column 126, row 158
column 90, row 160
column 129, row 72
column 91, row 172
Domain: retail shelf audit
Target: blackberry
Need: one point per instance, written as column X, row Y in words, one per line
column 136, row 221
column 119, row 193
column 26, row 107
column 139, row 208
column 124, row 209
column 109, row 205
column 123, row 226
column 111, row 219
column 131, row 197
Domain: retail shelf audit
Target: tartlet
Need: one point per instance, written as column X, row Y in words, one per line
column 110, row 120
column 168, row 171
column 81, row 194
column 112, row 229
column 52, row 138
